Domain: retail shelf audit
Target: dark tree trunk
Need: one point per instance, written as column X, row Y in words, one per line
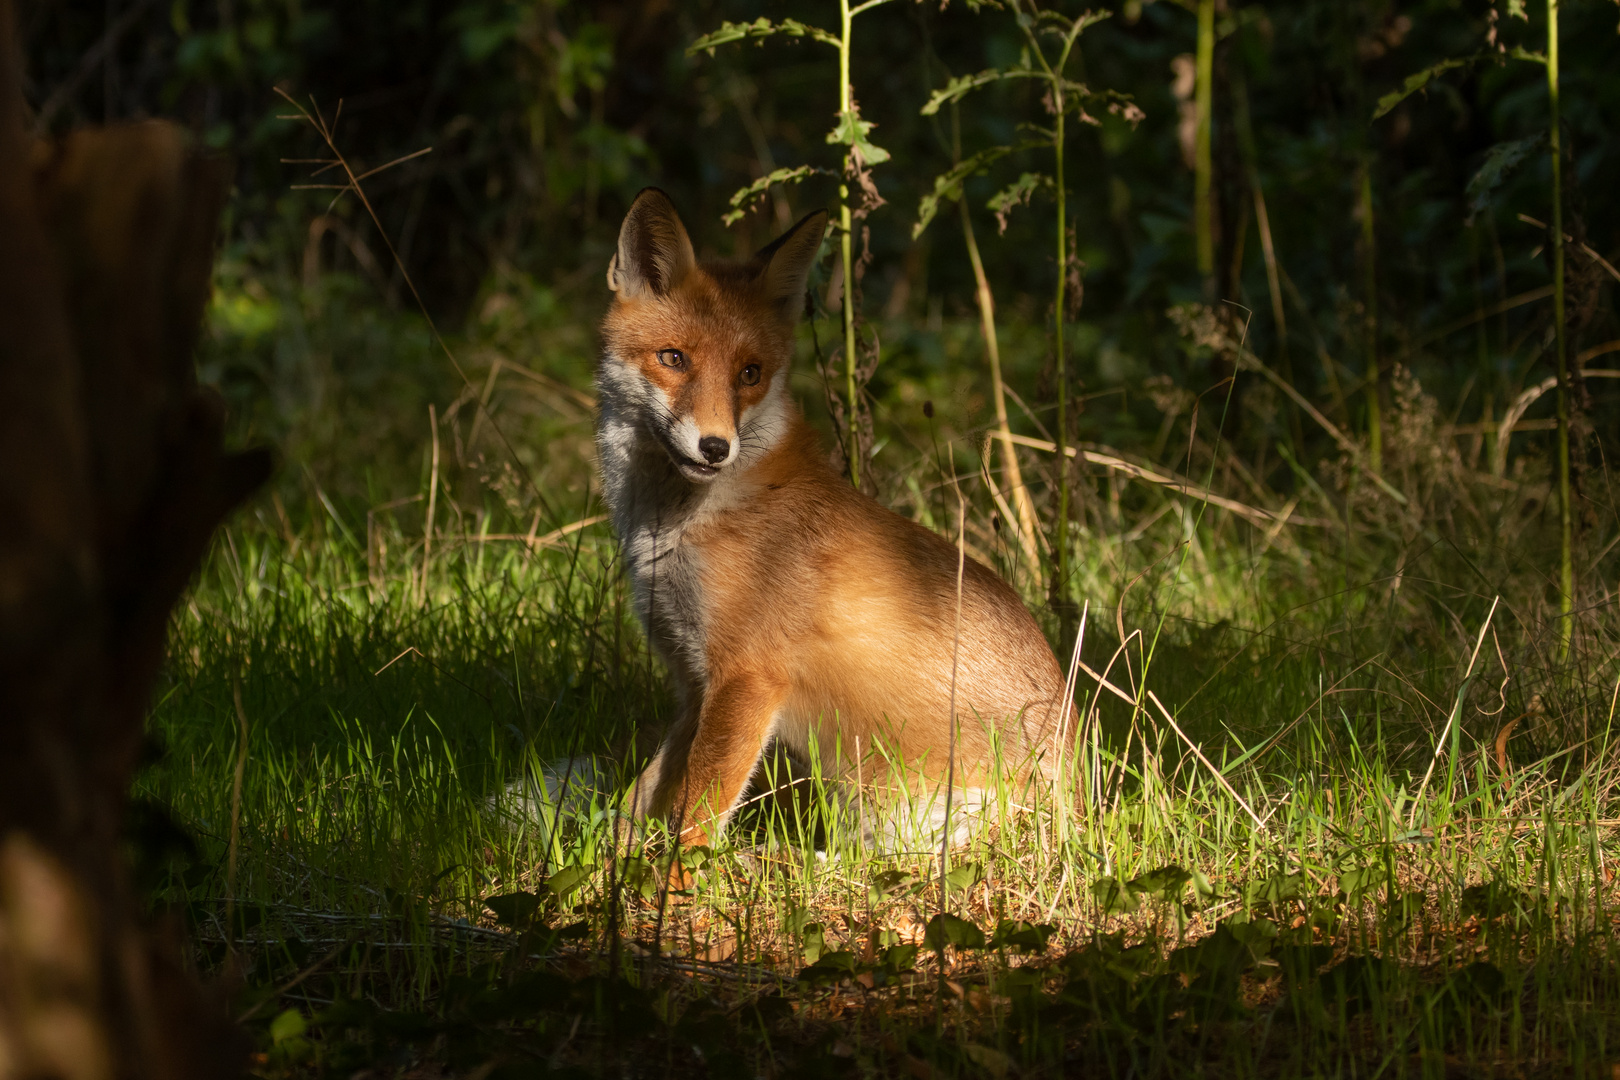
column 112, row 478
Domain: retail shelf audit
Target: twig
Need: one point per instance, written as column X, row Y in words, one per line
column 433, row 500
column 1213, row 771
column 1481, row 314
column 93, row 56
column 328, row 135
column 1254, row 363
column 1174, row 483
column 1585, row 248
column 1456, row 710
column 296, row 979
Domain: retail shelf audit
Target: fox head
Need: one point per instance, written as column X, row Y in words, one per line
column 697, row 355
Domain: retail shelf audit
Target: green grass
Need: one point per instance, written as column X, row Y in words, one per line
column 1144, row 924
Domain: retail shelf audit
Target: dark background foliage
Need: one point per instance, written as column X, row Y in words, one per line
column 545, row 118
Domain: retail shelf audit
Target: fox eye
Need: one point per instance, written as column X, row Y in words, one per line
column 672, row 358
column 750, row 375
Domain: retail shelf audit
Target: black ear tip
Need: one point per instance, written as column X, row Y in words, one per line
column 652, row 194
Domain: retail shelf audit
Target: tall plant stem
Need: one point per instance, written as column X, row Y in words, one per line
column 1268, row 248
column 1061, row 584
column 847, row 251
column 1059, row 591
column 1566, row 528
column 1204, row 102
column 987, row 324
column 1369, row 278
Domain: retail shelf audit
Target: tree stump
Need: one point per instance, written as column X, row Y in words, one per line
column 113, row 476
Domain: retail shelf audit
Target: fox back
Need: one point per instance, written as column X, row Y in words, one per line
column 787, row 605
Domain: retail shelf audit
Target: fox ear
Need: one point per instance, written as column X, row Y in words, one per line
column 654, row 251
column 785, row 263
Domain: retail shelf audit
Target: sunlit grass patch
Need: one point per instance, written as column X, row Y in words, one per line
column 1279, row 902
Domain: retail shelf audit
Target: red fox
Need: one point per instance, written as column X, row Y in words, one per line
column 788, row 605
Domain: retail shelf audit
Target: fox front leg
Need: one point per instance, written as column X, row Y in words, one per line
column 703, row 767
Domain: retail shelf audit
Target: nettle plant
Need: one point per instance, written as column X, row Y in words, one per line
column 1050, row 41
column 857, row 198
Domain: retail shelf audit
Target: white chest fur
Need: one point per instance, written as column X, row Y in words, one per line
column 653, row 509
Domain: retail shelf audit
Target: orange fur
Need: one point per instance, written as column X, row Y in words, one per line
column 787, row 604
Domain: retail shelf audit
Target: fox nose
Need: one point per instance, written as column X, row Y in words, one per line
column 714, row 449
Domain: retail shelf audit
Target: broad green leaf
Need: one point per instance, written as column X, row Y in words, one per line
column 758, row 29
column 947, row 929
column 791, row 175
column 948, row 185
column 964, row 877
column 1414, row 83
column 962, row 85
column 852, row 131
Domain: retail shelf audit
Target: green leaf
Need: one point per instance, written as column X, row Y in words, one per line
column 898, row 958
column 1277, row 888
column 1358, row 881
column 760, row 28
column 1519, row 52
column 639, row 877
column 1021, row 936
column 1165, row 883
column 567, row 881
column 1414, row 83
column 946, row 929
column 790, row 175
column 1014, row 194
column 288, row 1025
column 1496, row 899
column 948, row 185
column 1515, row 9
column 962, row 85
column 890, row 883
column 516, row 909
column 1256, row 935
column 829, row 967
column 813, row 941
column 851, row 132
column 964, row 877
column 1113, row 897
column 1201, row 886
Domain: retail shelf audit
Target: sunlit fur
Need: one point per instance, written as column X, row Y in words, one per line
column 787, row 604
